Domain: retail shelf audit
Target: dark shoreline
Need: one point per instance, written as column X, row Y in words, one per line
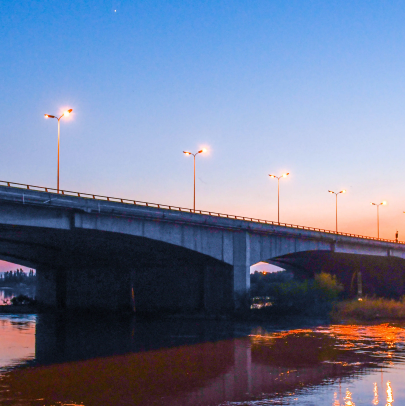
column 255, row 316
column 11, row 309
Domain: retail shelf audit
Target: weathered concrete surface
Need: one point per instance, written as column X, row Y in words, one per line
column 196, row 259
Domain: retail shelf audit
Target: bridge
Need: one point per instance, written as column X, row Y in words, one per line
column 95, row 251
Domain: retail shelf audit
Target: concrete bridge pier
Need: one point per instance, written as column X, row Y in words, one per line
column 183, row 285
column 46, row 286
column 77, row 287
column 194, row 284
column 241, row 269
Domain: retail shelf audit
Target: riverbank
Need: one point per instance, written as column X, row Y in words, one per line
column 351, row 311
column 369, row 310
column 18, row 309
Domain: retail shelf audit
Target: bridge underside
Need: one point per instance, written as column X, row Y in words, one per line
column 89, row 268
column 381, row 276
column 92, row 269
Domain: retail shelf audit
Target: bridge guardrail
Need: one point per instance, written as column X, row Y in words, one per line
column 182, row 209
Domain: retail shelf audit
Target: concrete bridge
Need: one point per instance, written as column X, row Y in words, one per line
column 96, row 251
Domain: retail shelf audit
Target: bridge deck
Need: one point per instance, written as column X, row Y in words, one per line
column 125, row 201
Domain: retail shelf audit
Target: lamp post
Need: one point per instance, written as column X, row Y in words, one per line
column 194, row 155
column 378, row 215
column 65, row 114
column 284, row 175
column 337, row 193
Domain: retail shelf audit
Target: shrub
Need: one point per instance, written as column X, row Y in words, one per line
column 308, row 297
column 22, row 300
column 327, row 287
column 370, row 309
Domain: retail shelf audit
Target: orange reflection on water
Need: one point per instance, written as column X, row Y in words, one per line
column 383, row 333
column 375, row 391
column 208, row 373
column 336, row 400
column 17, row 340
column 348, row 399
column 390, row 397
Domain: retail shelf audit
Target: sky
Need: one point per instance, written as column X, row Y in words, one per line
column 313, row 88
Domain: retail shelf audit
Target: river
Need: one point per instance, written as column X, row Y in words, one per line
column 55, row 360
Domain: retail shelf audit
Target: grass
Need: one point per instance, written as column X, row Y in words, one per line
column 369, row 309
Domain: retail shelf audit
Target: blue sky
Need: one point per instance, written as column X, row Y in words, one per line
column 315, row 88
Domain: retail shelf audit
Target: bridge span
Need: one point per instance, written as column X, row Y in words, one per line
column 100, row 252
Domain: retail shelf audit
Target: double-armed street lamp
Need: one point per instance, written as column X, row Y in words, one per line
column 337, row 193
column 284, row 175
column 65, row 114
column 378, row 215
column 194, row 155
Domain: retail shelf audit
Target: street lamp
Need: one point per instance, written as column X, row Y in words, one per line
column 65, row 114
column 378, row 215
column 194, row 155
column 337, row 193
column 284, row 175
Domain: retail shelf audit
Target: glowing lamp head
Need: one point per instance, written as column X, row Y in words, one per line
column 384, row 203
column 66, row 113
column 187, row 153
column 285, row 174
column 330, row 191
column 343, row 191
column 272, row 176
column 46, row 115
column 204, row 150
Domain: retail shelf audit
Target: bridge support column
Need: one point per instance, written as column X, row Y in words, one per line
column 46, row 286
column 217, row 288
column 103, row 288
column 51, row 287
column 80, row 287
column 241, row 270
column 189, row 284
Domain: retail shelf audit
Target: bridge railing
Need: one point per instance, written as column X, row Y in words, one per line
column 182, row 209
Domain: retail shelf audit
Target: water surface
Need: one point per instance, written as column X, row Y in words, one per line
column 50, row 360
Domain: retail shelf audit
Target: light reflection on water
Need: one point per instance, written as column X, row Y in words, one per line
column 124, row 362
column 17, row 340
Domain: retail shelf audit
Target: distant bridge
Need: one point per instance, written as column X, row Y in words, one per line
column 104, row 252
